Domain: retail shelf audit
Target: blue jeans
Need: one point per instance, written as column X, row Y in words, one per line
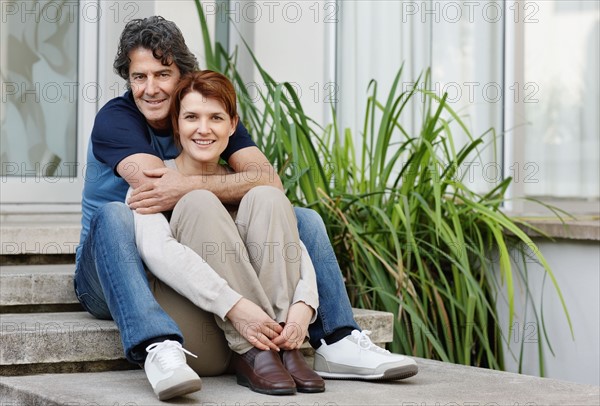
column 334, row 311
column 111, row 283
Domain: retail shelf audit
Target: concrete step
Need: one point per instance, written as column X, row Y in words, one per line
column 35, row 285
column 76, row 341
column 39, row 234
column 49, row 342
column 436, row 383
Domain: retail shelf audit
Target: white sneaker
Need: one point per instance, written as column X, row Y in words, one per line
column 168, row 372
column 356, row 357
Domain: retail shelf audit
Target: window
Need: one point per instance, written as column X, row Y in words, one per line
column 39, row 88
column 554, row 55
column 527, row 68
column 48, row 57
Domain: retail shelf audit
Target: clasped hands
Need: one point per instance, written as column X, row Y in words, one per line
column 161, row 193
column 264, row 333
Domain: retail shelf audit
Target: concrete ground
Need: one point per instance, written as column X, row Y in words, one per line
column 436, row 384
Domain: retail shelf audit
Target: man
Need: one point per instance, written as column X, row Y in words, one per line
column 130, row 139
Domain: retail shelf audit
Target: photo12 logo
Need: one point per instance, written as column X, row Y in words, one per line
column 273, row 11
column 470, row 11
column 54, row 11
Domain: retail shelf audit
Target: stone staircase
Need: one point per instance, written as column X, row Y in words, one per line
column 43, row 327
column 44, row 333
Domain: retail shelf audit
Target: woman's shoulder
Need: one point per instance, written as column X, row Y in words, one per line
column 170, row 163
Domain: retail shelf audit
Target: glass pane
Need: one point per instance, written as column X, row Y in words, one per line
column 375, row 39
column 38, row 69
column 561, row 96
column 467, row 61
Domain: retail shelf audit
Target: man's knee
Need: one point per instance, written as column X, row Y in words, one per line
column 309, row 220
column 115, row 216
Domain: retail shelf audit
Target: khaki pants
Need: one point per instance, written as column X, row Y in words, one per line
column 200, row 331
column 256, row 250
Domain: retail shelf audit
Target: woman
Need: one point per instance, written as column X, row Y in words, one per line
column 254, row 248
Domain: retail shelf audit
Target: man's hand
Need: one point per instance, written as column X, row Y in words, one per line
column 254, row 324
column 296, row 327
column 160, row 194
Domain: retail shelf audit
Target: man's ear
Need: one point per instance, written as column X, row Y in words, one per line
column 234, row 124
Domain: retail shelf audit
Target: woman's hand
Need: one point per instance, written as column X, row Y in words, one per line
column 255, row 325
column 296, row 327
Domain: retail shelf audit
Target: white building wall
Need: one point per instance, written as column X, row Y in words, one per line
column 576, row 266
column 293, row 41
column 185, row 15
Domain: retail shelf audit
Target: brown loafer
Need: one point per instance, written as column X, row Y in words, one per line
column 267, row 375
column 307, row 380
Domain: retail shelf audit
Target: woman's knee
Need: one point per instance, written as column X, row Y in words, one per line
column 198, row 199
column 266, row 194
column 196, row 203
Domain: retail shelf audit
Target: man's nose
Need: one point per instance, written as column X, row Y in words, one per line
column 151, row 86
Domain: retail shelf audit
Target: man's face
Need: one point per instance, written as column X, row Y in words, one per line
column 152, row 84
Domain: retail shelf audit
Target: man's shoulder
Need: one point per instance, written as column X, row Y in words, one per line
column 118, row 113
column 121, row 103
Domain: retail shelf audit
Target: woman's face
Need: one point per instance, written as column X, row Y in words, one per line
column 204, row 128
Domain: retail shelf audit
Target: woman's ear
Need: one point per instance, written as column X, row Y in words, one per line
column 234, row 124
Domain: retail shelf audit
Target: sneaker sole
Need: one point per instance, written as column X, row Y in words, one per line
column 389, row 375
column 180, row 390
column 243, row 381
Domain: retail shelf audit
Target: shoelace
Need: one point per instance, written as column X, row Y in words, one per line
column 169, row 354
column 364, row 342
